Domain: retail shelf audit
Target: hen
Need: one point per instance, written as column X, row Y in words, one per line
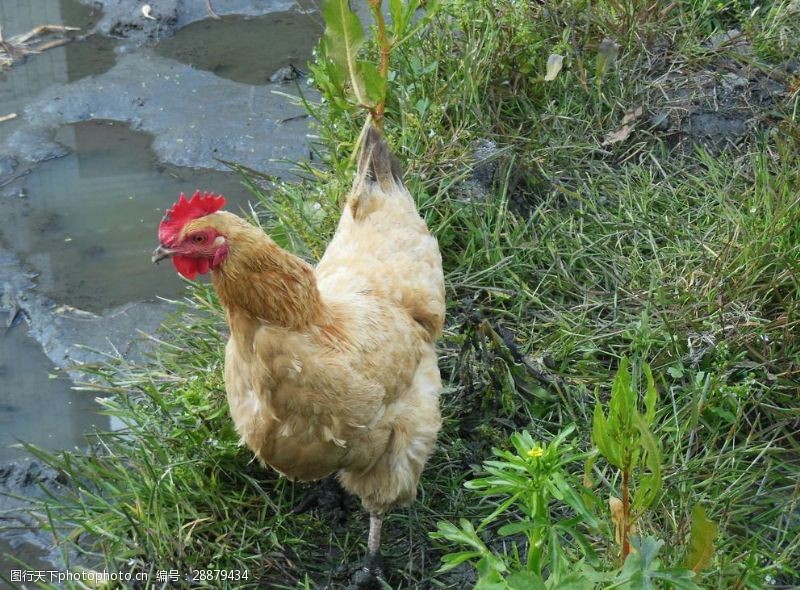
column 329, row 369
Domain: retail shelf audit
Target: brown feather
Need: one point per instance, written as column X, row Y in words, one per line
column 333, row 368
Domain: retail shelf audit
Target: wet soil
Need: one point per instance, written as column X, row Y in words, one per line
column 108, row 132
column 724, row 101
column 264, row 45
column 85, row 221
column 32, row 383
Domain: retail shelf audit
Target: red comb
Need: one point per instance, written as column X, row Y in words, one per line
column 200, row 205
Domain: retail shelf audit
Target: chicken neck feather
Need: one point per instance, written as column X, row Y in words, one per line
column 262, row 280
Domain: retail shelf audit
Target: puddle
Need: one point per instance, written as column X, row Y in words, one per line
column 36, row 402
column 22, row 83
column 243, row 49
column 20, row 16
column 12, row 553
column 87, row 222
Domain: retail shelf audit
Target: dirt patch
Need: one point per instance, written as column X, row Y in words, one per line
column 720, row 101
column 21, row 524
column 143, row 23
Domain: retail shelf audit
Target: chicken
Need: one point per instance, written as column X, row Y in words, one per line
column 330, row 369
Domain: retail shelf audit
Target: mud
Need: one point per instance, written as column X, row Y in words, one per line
column 111, row 71
column 124, row 19
column 196, row 117
column 273, row 48
column 71, row 337
column 725, row 103
column 23, row 536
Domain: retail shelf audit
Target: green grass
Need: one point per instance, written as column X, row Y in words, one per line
column 574, row 255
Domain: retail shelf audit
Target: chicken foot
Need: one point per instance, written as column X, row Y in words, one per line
column 370, row 574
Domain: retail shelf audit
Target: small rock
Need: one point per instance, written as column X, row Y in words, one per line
column 718, row 126
column 35, row 145
column 16, row 193
column 364, row 579
column 7, row 165
column 790, row 66
column 660, row 121
column 732, row 82
column 286, row 74
column 720, row 39
column 485, row 168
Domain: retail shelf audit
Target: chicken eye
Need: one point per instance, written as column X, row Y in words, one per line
column 198, row 238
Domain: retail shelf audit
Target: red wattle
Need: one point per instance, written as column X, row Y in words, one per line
column 186, row 266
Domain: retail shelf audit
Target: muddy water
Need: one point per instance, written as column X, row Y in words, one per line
column 84, row 224
column 87, row 222
column 262, row 45
column 37, row 403
column 19, row 85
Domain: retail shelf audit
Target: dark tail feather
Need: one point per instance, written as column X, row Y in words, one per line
column 377, row 163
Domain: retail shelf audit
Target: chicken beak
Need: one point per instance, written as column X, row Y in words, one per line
column 161, row 253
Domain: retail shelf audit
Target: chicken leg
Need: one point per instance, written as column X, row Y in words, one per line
column 374, row 539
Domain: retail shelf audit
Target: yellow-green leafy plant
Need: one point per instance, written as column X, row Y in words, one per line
column 624, row 437
column 345, row 70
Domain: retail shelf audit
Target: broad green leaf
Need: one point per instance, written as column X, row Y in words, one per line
column 574, row 581
column 650, row 484
column 601, row 432
column 677, row 578
column 396, row 10
column 525, row 526
column 651, row 397
column 452, row 560
column 622, row 404
column 701, row 540
column 562, row 436
column 485, row 584
column 500, row 509
column 343, row 38
column 675, row 371
column 525, row 581
column 464, row 534
column 558, row 565
column 574, row 500
column 402, row 13
column 638, row 566
column 643, row 569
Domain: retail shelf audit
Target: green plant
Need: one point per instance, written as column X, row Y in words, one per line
column 535, row 486
column 526, row 482
column 626, row 440
column 342, row 69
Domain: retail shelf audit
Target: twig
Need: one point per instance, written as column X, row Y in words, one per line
column 295, row 118
column 211, row 10
column 40, row 31
column 51, row 44
column 16, row 177
column 18, row 46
